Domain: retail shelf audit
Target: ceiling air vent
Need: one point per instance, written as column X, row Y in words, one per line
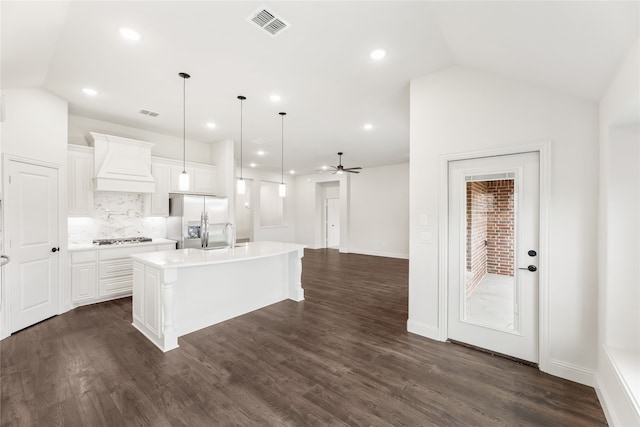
column 268, row 21
column 149, row 113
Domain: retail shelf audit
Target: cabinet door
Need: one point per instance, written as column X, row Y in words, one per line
column 160, row 199
column 79, row 180
column 175, row 179
column 205, row 180
column 83, row 281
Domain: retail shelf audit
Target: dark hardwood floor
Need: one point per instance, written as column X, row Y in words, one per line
column 341, row 357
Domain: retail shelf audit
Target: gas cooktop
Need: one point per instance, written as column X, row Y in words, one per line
column 121, row 240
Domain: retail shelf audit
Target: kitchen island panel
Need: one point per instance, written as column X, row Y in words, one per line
column 191, row 296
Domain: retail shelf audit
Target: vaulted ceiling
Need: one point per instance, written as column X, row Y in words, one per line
column 319, row 65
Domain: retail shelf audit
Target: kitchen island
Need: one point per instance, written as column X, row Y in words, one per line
column 179, row 292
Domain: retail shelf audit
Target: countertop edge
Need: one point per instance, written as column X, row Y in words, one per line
column 295, row 247
column 92, row 247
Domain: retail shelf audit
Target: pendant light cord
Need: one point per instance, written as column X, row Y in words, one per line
column 282, row 150
column 241, row 99
column 184, row 125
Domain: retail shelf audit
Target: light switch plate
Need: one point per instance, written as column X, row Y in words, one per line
column 425, row 237
column 424, row 219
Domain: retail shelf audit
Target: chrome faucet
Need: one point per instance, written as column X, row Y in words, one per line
column 233, row 234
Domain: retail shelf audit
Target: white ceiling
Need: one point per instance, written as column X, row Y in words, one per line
column 320, row 65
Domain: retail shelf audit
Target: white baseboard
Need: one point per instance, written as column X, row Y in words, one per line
column 378, row 253
column 614, row 393
column 571, row 372
column 605, row 401
column 427, row 331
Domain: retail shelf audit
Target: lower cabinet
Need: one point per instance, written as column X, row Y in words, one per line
column 103, row 274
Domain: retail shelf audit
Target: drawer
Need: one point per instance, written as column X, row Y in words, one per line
column 166, row 247
column 83, row 256
column 114, row 253
column 115, row 268
column 116, row 285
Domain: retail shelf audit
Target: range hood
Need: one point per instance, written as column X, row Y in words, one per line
column 121, row 164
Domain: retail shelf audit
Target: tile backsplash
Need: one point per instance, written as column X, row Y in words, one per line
column 115, row 215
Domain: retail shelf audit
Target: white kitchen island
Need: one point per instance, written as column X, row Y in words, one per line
column 178, row 292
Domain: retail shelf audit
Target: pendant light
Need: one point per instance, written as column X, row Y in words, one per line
column 241, row 185
column 282, row 189
column 183, row 183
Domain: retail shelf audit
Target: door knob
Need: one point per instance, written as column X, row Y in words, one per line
column 55, row 249
column 530, row 268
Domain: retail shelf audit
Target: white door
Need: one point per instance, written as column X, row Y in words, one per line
column 333, row 223
column 32, row 234
column 493, row 245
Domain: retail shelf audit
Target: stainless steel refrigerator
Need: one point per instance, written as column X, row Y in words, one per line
column 198, row 221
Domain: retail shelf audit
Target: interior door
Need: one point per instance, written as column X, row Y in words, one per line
column 32, row 216
column 333, row 223
column 493, row 244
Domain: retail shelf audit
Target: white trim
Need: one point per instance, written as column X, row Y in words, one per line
column 571, row 372
column 616, row 398
column 544, row 150
column 379, row 253
column 422, row 329
column 605, row 399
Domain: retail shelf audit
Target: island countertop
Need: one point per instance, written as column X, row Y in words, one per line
column 199, row 257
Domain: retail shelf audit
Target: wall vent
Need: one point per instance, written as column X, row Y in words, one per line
column 149, row 113
column 268, row 21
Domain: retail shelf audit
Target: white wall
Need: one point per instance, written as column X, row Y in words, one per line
column 165, row 145
column 35, row 128
column 284, row 233
column 459, row 110
column 379, row 223
column 373, row 210
column 618, row 371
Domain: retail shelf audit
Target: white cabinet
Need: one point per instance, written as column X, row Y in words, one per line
column 80, row 174
column 202, row 180
column 83, row 276
column 104, row 274
column 159, row 201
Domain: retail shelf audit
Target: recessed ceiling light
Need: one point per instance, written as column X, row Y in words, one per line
column 253, row 165
column 130, row 34
column 275, row 98
column 292, row 172
column 211, row 125
column 377, row 54
column 260, row 153
column 368, row 126
column 325, row 167
column 89, row 91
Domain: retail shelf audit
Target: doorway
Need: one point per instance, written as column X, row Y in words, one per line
column 332, row 214
column 493, row 239
column 32, row 242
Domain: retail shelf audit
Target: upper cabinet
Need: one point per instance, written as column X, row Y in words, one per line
column 202, row 180
column 80, row 175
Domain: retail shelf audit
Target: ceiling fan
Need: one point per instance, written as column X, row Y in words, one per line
column 340, row 169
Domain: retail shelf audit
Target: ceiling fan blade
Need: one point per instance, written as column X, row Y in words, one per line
column 349, row 169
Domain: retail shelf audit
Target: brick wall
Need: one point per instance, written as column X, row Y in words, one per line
column 500, row 227
column 476, row 234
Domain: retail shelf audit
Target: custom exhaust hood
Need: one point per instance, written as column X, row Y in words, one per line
column 121, row 164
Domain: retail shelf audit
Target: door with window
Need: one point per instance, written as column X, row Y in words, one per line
column 493, row 244
column 32, row 235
